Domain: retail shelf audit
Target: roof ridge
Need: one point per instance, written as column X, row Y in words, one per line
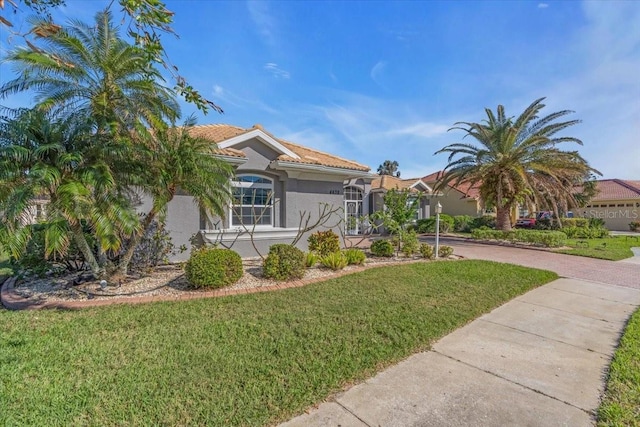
column 626, row 185
column 284, row 141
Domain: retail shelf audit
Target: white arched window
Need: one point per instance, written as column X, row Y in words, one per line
column 252, row 201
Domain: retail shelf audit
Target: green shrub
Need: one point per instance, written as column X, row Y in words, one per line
column 444, row 251
column 354, row 256
column 335, row 261
column 428, row 225
column 324, row 242
column 382, row 248
column 410, row 244
column 462, row 223
column 634, row 226
column 213, row 268
column 574, row 222
column 310, row 259
column 284, row 262
column 596, row 222
column 426, row 251
column 542, row 237
column 487, row 221
column 585, row 232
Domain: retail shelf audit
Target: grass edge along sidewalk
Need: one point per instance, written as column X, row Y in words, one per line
column 621, row 402
column 252, row 359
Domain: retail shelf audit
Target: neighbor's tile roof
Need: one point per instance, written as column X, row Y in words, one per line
column 388, row 182
column 614, row 189
column 464, row 187
column 222, row 132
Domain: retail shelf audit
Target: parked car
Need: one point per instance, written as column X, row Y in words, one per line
column 526, row 223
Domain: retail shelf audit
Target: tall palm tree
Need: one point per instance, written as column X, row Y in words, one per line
column 89, row 69
column 175, row 160
column 517, row 161
column 389, row 168
column 41, row 157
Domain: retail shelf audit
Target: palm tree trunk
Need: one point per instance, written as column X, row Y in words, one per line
column 503, row 218
column 123, row 266
column 85, row 249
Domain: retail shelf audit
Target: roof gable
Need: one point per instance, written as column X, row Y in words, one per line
column 466, row 188
column 388, row 182
column 227, row 136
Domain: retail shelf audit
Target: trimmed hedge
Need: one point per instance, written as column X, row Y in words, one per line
column 284, row 262
column 574, row 232
column 213, row 268
column 550, row 239
column 428, row 225
column 575, row 222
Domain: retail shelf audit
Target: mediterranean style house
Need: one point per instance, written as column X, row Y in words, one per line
column 278, row 188
column 617, row 202
column 366, row 196
column 461, row 199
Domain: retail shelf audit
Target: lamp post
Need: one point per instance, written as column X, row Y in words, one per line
column 438, row 212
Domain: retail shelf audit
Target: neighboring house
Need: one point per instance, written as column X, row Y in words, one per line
column 461, row 199
column 278, row 184
column 617, row 202
column 365, row 196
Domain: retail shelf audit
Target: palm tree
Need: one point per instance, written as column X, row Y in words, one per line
column 175, row 160
column 389, row 168
column 90, row 70
column 41, row 157
column 517, row 161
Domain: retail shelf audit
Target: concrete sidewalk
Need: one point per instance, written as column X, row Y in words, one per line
column 539, row 360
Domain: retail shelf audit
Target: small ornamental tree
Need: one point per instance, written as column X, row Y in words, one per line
column 400, row 208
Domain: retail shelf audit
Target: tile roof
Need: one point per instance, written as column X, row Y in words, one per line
column 388, row 182
column 613, row 189
column 464, row 187
column 221, row 132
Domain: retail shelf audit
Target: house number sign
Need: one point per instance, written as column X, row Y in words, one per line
column 334, row 192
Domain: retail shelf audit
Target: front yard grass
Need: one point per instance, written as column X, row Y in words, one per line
column 611, row 248
column 621, row 403
column 251, row 359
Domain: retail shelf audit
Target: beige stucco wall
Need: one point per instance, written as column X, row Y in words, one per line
column 617, row 214
column 453, row 204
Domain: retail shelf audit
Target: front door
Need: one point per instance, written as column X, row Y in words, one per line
column 353, row 212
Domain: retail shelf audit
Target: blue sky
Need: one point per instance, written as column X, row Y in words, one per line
column 374, row 81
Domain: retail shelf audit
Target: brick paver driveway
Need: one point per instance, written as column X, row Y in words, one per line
column 597, row 270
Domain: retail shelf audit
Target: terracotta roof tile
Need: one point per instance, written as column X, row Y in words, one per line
column 613, row 189
column 464, row 187
column 222, row 132
column 388, row 182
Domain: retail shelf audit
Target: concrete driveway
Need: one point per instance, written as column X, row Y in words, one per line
column 539, row 360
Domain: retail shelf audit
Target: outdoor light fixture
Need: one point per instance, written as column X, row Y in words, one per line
column 438, row 212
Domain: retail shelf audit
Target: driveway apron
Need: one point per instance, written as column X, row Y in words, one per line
column 538, row 360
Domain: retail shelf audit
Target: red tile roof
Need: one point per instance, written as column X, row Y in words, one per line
column 222, row 132
column 464, row 187
column 615, row 189
column 388, row 182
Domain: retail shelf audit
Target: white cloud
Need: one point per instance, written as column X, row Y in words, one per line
column 262, row 18
column 377, row 71
column 276, row 71
column 543, row 5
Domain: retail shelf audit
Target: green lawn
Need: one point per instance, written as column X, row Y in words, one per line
column 621, row 403
column 244, row 360
column 611, row 248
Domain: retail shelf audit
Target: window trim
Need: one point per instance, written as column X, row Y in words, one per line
column 242, row 184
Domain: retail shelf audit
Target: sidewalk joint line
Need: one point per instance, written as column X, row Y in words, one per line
column 547, row 338
column 566, row 311
column 590, row 412
column 353, row 413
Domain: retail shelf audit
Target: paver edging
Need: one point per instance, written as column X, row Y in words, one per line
column 11, row 300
